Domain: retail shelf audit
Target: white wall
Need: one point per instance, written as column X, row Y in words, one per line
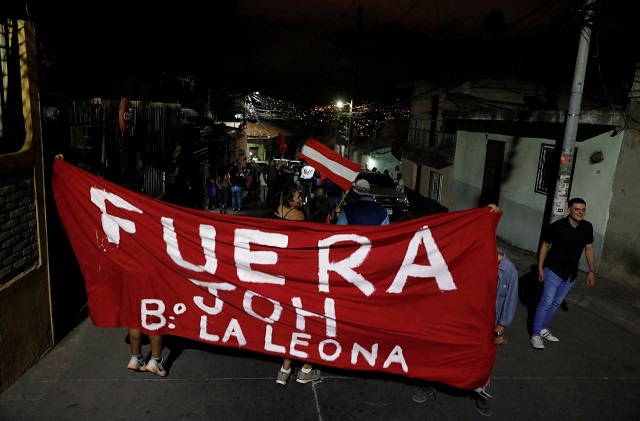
column 409, row 170
column 523, row 208
column 425, row 179
column 382, row 159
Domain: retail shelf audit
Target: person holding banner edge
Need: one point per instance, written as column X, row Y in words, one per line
column 506, row 306
column 137, row 362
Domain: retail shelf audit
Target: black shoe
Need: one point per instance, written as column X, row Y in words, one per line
column 482, row 404
column 423, row 394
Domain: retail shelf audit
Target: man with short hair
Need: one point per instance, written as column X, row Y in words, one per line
column 365, row 210
column 558, row 260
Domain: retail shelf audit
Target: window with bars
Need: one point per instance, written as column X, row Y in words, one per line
column 548, row 165
column 435, row 186
column 544, row 177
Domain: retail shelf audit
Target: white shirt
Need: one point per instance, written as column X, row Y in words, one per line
column 307, row 172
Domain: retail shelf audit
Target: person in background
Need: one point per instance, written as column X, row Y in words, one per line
column 319, row 191
column 364, row 211
column 238, row 182
column 332, row 190
column 307, row 182
column 286, row 178
column 399, row 182
column 295, row 170
column 264, row 189
column 271, row 177
column 394, row 173
column 255, row 182
column 223, row 185
column 211, row 193
column 558, row 261
column 321, row 209
column 290, row 206
column 248, row 183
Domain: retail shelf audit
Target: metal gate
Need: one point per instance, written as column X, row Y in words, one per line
column 142, row 156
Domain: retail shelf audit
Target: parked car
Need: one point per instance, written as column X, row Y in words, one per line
column 383, row 191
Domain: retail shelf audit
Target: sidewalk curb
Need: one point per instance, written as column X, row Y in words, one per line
column 619, row 316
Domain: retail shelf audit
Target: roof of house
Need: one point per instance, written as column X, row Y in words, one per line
column 265, row 129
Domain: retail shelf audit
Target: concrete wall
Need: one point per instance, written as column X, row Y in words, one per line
column 523, row 208
column 382, row 159
column 409, row 170
column 425, row 179
column 26, row 331
column 621, row 249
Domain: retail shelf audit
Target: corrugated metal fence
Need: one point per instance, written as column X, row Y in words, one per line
column 143, row 156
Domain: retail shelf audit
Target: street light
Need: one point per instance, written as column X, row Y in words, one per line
column 340, row 105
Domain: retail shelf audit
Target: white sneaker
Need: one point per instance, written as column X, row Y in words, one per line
column 546, row 333
column 156, row 367
column 283, row 376
column 536, row 342
column 136, row 363
column 313, row 375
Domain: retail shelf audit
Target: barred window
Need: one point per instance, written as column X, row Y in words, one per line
column 545, row 176
column 435, row 186
column 548, row 166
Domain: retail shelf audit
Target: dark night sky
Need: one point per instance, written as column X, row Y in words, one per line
column 312, row 46
column 304, row 51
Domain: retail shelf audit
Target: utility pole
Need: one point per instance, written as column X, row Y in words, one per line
column 349, row 128
column 573, row 116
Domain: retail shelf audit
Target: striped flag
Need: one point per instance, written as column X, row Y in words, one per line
column 338, row 169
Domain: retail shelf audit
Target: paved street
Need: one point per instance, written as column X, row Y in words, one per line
column 593, row 373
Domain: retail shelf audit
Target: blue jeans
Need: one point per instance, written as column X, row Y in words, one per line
column 236, row 197
column 553, row 292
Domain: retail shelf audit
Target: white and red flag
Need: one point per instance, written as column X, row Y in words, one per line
column 338, row 169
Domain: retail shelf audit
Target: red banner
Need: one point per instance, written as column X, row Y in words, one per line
column 415, row 298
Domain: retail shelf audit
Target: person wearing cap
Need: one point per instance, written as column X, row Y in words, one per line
column 365, row 210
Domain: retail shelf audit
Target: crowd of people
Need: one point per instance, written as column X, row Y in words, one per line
column 242, row 182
